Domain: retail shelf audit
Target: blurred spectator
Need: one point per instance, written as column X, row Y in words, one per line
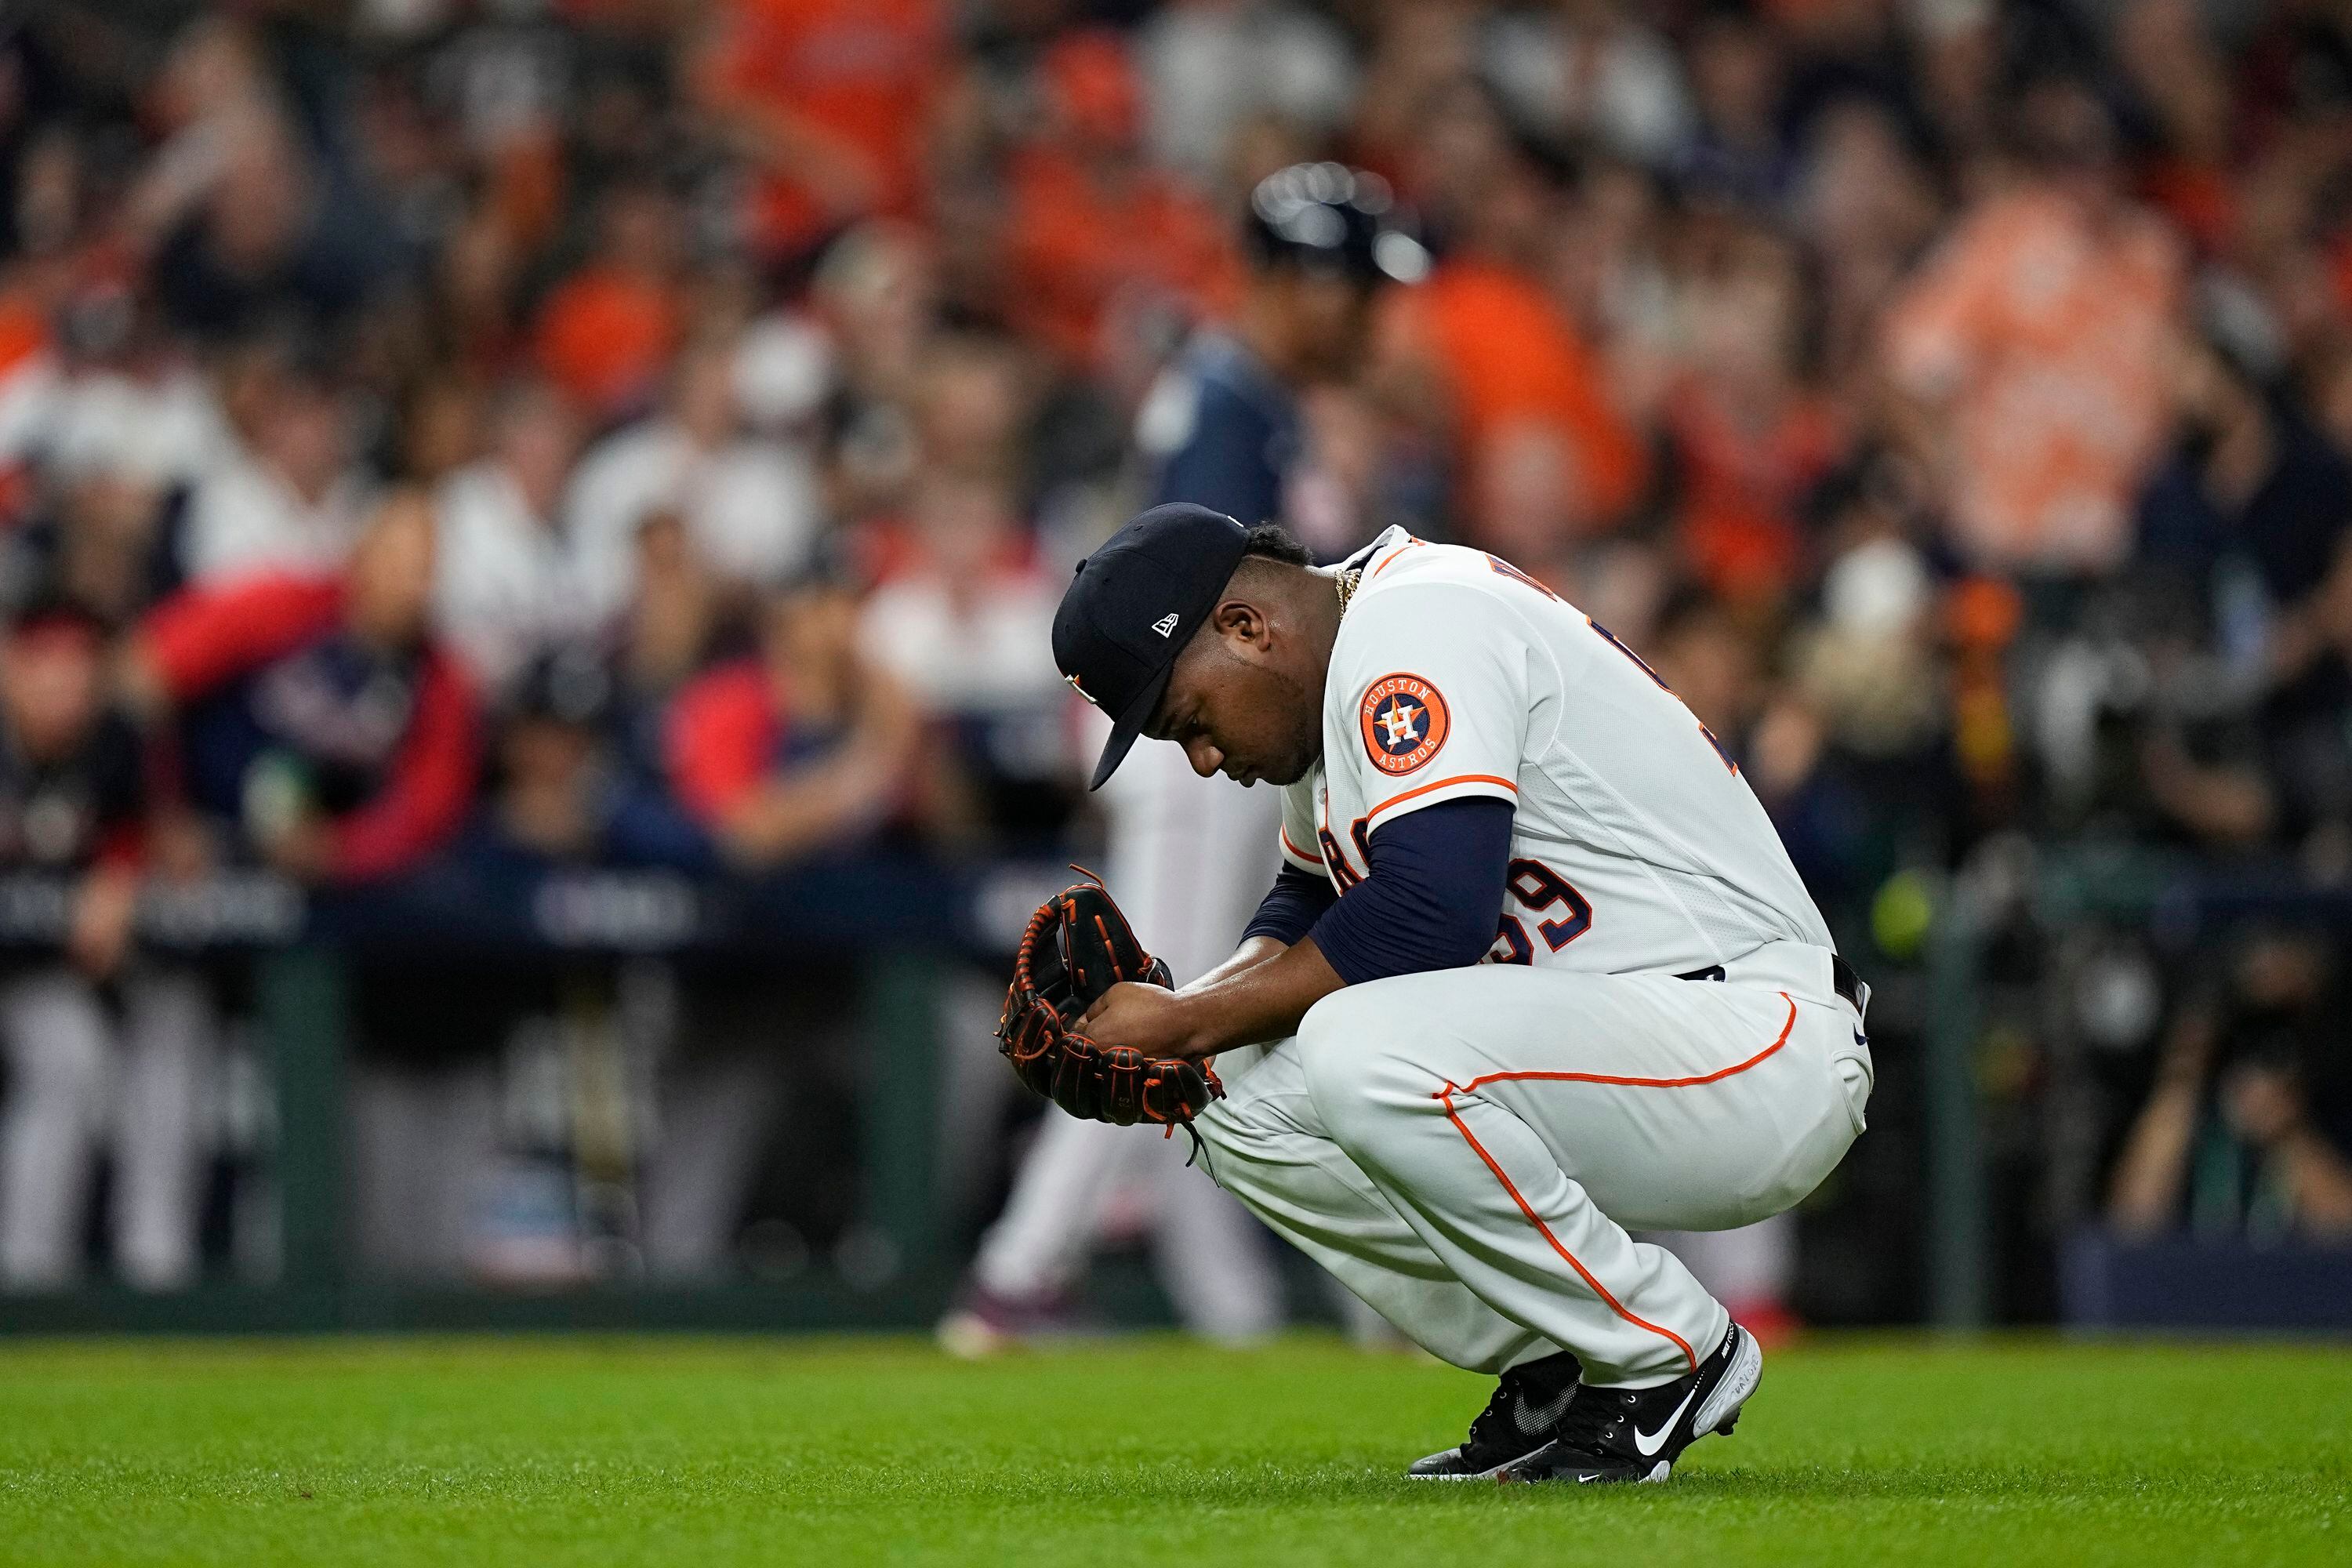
column 1102, row 242
column 562, row 796
column 1212, row 67
column 607, row 332
column 1867, row 667
column 249, row 225
column 105, row 1050
column 875, row 295
column 2182, row 91
column 322, row 722
column 831, row 99
column 966, row 628
column 1511, row 373
column 1582, row 70
column 114, row 426
column 286, row 496
column 511, row 583
column 2034, row 347
column 1751, row 439
column 670, row 629
column 2247, row 523
column 1870, row 205
column 971, row 401
column 2227, row 1143
column 1735, row 150
column 806, row 747
column 750, row 505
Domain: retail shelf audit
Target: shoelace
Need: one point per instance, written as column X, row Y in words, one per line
column 1599, row 1416
column 1484, row 1423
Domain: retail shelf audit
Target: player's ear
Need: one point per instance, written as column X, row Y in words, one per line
column 1240, row 621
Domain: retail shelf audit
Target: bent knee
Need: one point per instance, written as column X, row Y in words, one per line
column 1353, row 1051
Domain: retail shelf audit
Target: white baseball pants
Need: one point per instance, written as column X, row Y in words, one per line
column 1467, row 1149
column 84, row 1077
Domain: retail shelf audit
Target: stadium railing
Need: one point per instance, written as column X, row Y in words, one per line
column 896, row 920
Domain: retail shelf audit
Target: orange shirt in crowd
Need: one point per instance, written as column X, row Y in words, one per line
column 1512, row 356
column 860, row 73
column 606, row 335
column 1076, row 244
column 1743, row 482
column 2199, row 197
column 2045, row 338
column 24, row 331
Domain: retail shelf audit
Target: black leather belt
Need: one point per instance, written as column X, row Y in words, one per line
column 1842, row 980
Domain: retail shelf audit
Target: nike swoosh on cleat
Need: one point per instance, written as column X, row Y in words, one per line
column 1650, row 1443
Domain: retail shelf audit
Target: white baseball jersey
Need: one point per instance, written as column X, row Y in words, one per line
column 1637, row 845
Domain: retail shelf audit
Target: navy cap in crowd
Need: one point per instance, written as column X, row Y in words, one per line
column 1133, row 606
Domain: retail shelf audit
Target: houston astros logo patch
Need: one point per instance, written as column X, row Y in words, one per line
column 1403, row 720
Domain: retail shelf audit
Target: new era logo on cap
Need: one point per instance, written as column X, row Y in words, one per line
column 1164, row 625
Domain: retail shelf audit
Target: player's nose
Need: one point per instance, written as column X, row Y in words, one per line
column 1205, row 758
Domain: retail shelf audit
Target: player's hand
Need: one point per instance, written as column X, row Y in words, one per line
column 104, row 906
column 1150, row 1018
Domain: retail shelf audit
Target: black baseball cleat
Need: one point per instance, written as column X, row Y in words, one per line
column 1637, row 1433
column 1524, row 1414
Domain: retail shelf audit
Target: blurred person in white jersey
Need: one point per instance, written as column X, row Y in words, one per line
column 1192, row 857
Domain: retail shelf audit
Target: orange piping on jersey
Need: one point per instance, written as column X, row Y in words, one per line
column 1533, row 1218
column 1441, row 784
column 1408, row 542
column 1295, row 849
column 1715, row 1076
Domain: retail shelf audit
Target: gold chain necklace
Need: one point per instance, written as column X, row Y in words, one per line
column 1347, row 583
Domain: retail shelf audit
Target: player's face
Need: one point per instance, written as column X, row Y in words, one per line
column 49, row 687
column 391, row 579
column 1237, row 711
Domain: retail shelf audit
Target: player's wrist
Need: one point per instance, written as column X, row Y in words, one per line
column 1194, row 1016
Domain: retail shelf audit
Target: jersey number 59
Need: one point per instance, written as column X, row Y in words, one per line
column 1539, row 889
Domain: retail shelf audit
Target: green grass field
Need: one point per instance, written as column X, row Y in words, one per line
column 706, row 1453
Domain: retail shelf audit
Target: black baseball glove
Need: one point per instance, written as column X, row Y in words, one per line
column 1079, row 945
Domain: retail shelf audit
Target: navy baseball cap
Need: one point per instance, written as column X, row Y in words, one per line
column 1132, row 606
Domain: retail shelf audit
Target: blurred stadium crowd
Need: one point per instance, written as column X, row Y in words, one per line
column 655, row 433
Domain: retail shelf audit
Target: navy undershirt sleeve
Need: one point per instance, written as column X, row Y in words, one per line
column 1432, row 898
column 1292, row 906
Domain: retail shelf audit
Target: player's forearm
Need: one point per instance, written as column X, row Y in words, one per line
column 2147, row 1184
column 791, row 816
column 2320, row 1181
column 1251, row 999
column 1253, row 952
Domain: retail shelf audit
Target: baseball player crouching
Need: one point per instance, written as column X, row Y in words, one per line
column 1535, row 972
